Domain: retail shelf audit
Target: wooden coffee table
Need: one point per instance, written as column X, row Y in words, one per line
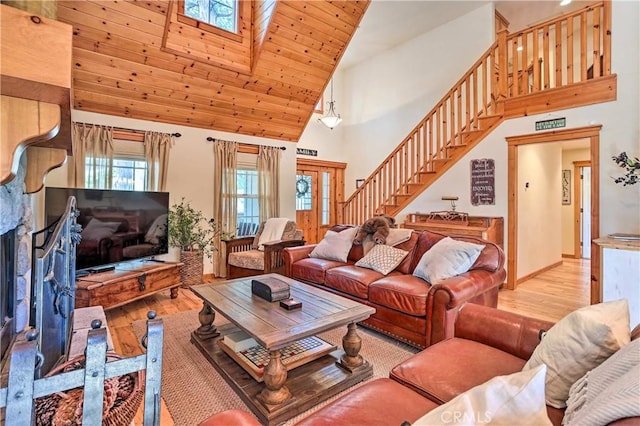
column 284, row 394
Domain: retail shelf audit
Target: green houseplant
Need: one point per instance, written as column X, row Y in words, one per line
column 194, row 235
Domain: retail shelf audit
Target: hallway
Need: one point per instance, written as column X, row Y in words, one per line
column 552, row 294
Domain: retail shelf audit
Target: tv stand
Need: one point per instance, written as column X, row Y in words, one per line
column 127, row 282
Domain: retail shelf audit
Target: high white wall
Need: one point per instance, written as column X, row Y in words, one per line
column 568, row 211
column 539, row 207
column 386, row 96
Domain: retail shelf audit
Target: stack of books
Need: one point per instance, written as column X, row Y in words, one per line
column 239, row 341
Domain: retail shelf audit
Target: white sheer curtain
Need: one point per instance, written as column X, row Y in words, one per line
column 225, row 199
column 269, row 182
column 156, row 153
column 92, row 161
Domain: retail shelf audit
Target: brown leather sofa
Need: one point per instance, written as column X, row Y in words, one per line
column 487, row 343
column 407, row 307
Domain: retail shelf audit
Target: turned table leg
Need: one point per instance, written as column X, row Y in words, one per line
column 351, row 343
column 207, row 330
column 275, row 376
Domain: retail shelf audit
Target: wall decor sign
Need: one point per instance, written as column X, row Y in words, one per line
column 306, row 151
column 566, row 187
column 555, row 123
column 483, row 187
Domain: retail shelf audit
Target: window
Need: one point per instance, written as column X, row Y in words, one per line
column 219, row 13
column 326, row 197
column 303, row 192
column 248, row 217
column 129, row 174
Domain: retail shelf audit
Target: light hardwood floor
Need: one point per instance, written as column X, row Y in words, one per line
column 552, row 294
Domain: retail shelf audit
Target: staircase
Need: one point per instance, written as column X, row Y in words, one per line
column 561, row 63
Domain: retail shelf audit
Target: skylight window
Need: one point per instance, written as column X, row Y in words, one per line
column 219, row 13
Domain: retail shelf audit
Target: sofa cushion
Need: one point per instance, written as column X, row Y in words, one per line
column 313, row 269
column 404, row 293
column 335, row 245
column 443, row 371
column 516, row 398
column 491, row 258
column 352, row 280
column 447, row 258
column 393, row 404
column 382, row 258
column 578, row 343
column 410, row 246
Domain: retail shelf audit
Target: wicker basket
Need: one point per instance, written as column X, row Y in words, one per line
column 192, row 270
column 122, row 398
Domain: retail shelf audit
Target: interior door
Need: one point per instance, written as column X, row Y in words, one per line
column 307, row 206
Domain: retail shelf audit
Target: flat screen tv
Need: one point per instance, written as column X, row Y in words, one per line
column 117, row 226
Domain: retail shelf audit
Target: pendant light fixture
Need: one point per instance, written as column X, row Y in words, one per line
column 331, row 119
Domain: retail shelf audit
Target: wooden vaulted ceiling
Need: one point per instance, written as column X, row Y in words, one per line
column 142, row 59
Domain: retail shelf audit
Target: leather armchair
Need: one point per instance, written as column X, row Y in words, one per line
column 243, row 259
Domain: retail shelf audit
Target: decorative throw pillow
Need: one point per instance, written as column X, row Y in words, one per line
column 382, row 258
column 335, row 245
column 447, row 258
column 97, row 230
column 578, row 343
column 609, row 392
column 516, row 399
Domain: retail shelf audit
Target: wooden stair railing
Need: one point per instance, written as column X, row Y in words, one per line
column 476, row 104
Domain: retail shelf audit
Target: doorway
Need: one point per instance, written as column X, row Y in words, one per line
column 582, row 213
column 319, row 197
column 593, row 134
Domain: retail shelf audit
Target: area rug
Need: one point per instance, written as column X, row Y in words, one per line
column 193, row 390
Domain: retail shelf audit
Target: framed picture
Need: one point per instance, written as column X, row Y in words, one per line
column 359, row 182
column 566, row 187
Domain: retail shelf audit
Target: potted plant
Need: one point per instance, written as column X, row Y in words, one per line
column 631, row 167
column 194, row 235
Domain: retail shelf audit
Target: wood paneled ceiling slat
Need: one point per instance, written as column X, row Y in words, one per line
column 111, row 45
column 120, row 67
column 147, row 75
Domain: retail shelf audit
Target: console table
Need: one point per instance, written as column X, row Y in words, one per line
column 127, row 282
column 486, row 227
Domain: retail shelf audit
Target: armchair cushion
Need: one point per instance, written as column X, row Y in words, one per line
column 251, row 259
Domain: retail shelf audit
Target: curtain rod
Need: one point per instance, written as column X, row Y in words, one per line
column 124, row 129
column 284, row 148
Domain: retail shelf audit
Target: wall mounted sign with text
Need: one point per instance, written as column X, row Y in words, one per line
column 555, row 123
column 305, row 151
column 483, row 182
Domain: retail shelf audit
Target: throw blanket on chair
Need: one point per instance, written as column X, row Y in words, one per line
column 273, row 229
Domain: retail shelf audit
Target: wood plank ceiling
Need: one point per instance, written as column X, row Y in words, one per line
column 143, row 59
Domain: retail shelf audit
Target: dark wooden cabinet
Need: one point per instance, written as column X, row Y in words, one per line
column 128, row 282
column 485, row 227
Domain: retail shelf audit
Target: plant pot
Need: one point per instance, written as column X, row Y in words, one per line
column 192, row 270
